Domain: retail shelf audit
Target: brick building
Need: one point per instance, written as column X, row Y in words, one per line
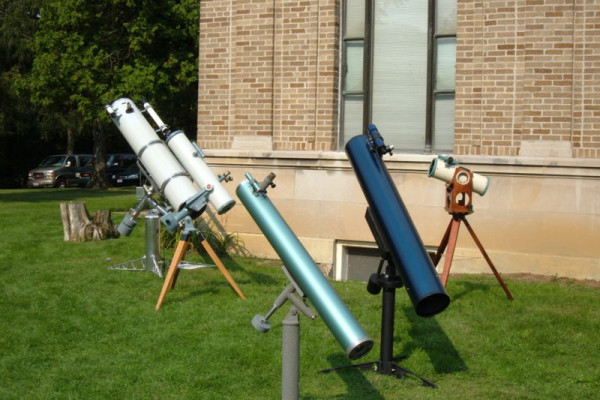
column 510, row 88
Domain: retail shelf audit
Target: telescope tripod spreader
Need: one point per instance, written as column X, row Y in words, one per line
column 290, row 344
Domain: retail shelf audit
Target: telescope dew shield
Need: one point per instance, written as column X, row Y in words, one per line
column 338, row 318
column 191, row 158
column 398, row 233
column 441, row 170
column 154, row 154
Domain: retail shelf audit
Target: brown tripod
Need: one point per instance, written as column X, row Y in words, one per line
column 182, row 246
column 459, row 193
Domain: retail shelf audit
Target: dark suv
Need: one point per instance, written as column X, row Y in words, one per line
column 116, row 163
column 57, row 171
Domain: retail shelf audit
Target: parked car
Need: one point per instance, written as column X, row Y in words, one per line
column 131, row 176
column 116, row 163
column 58, row 170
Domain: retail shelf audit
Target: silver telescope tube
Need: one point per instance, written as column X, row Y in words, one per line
column 153, row 153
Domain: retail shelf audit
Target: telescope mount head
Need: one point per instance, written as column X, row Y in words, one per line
column 191, row 209
column 461, row 182
column 292, row 293
column 459, row 192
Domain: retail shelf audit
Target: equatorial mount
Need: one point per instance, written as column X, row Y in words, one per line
column 290, row 344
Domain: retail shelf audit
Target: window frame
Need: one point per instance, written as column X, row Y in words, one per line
column 344, row 40
column 433, row 94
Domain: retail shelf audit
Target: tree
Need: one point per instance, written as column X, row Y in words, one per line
column 90, row 52
column 19, row 130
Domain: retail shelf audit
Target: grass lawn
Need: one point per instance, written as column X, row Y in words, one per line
column 70, row 328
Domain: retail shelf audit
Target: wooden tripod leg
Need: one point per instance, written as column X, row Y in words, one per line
column 221, row 267
column 442, row 246
column 452, row 238
column 489, row 261
column 173, row 270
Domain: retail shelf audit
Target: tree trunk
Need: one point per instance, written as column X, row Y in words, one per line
column 70, row 141
column 98, row 178
column 77, row 226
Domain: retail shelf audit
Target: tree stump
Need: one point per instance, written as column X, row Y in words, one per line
column 78, row 227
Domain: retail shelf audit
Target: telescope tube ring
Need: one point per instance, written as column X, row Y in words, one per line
column 143, row 149
column 170, row 178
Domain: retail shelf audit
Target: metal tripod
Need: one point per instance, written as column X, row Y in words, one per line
column 387, row 364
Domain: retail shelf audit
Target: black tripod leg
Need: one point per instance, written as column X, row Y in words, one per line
column 386, row 364
column 401, row 372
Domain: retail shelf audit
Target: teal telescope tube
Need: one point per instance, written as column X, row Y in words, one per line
column 303, row 269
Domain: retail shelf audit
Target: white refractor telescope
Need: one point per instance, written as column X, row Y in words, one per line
column 175, row 165
column 445, row 168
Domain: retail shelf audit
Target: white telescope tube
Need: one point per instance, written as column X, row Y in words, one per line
column 480, row 184
column 191, row 158
column 165, row 170
column 440, row 170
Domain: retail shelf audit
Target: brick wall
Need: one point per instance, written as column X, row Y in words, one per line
column 528, row 76
column 528, row 73
column 268, row 74
column 527, row 83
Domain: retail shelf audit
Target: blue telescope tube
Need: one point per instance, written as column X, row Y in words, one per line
column 305, row 272
column 396, row 228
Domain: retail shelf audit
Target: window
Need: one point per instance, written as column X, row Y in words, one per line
column 404, row 80
column 353, row 40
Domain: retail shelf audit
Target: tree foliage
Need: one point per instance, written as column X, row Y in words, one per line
column 19, row 131
column 89, row 53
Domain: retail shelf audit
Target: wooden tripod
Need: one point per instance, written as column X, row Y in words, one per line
column 182, row 246
column 459, row 193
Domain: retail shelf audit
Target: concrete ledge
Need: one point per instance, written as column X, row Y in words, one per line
column 540, row 216
column 492, row 165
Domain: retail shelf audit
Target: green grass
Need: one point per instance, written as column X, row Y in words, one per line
column 72, row 329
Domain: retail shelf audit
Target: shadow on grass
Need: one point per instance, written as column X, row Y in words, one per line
column 192, row 294
column 426, row 334
column 44, row 195
column 358, row 386
column 232, row 265
column 257, row 277
column 240, row 250
column 469, row 287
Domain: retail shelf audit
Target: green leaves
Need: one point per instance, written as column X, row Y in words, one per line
column 61, row 61
column 90, row 52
